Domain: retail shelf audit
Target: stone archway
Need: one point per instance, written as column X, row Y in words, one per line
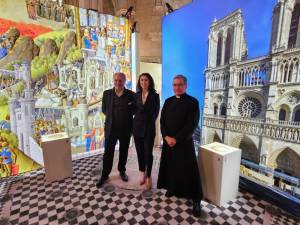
column 284, row 112
column 216, row 138
column 286, row 160
column 296, row 116
column 219, row 49
column 287, row 100
column 248, row 147
column 293, row 41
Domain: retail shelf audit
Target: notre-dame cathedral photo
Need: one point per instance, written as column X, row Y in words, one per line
column 254, row 103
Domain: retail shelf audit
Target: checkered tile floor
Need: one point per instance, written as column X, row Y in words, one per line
column 4, row 189
column 76, row 200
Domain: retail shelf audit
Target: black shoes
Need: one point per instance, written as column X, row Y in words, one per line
column 100, row 183
column 169, row 194
column 124, row 177
column 102, row 180
column 196, row 209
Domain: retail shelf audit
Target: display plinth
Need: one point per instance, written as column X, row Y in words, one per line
column 57, row 156
column 219, row 167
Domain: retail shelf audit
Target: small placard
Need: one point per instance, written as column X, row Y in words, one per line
column 220, row 148
column 53, row 137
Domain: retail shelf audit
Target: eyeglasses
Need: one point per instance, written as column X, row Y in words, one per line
column 178, row 85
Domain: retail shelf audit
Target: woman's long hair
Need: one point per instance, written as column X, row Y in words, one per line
column 151, row 83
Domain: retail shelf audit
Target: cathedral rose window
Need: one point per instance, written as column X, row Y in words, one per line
column 249, row 107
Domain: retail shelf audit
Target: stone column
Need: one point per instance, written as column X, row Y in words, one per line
column 207, row 92
column 298, row 74
column 231, row 77
column 212, row 54
column 279, row 24
column 234, row 37
column 206, row 82
column 240, row 44
column 286, row 24
column 209, row 51
column 223, row 47
column 273, row 71
column 298, row 35
column 13, row 118
column 294, row 73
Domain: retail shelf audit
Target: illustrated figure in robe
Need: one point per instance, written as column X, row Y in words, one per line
column 53, row 11
column 86, row 39
column 38, row 7
column 6, row 157
column 3, row 50
column 47, row 9
column 63, row 13
column 42, row 4
column 28, row 7
column 101, row 45
column 90, row 140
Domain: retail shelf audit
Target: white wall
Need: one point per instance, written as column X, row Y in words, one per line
column 155, row 69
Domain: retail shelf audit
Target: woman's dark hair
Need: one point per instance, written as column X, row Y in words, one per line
column 151, row 82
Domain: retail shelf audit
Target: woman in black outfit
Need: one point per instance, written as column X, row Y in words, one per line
column 146, row 111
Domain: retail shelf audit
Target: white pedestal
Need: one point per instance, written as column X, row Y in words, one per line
column 219, row 167
column 57, row 156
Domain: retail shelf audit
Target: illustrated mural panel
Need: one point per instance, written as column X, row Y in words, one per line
column 55, row 62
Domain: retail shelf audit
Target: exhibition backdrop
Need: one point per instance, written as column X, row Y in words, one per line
column 185, row 34
column 185, row 38
column 55, row 62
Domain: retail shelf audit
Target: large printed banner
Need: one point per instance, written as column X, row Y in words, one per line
column 241, row 59
column 55, row 62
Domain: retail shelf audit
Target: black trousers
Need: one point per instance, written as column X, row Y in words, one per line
column 144, row 149
column 109, row 151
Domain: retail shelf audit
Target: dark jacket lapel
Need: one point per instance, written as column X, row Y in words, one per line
column 148, row 99
column 111, row 99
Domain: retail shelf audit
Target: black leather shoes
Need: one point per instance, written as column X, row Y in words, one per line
column 196, row 209
column 100, row 182
column 169, row 194
column 124, row 177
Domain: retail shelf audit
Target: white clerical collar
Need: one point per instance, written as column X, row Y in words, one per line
column 179, row 96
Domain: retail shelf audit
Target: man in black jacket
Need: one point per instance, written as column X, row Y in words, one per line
column 117, row 105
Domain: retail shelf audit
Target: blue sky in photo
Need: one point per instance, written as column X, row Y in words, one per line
column 185, row 38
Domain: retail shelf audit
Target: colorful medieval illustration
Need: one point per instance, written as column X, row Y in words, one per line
column 55, row 62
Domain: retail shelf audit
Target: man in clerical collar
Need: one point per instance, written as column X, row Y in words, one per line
column 178, row 172
column 117, row 105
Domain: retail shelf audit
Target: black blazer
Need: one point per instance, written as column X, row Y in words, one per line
column 107, row 109
column 145, row 114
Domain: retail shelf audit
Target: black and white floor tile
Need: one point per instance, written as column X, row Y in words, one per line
column 76, row 200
